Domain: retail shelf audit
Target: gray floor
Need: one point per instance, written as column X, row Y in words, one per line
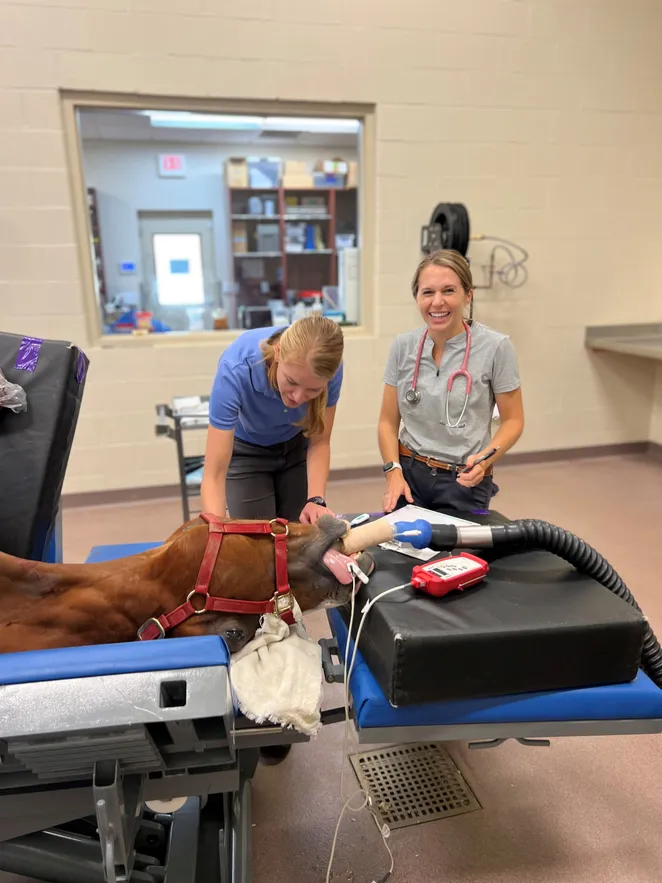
column 583, row 811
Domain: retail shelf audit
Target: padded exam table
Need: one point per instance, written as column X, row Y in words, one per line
column 91, row 737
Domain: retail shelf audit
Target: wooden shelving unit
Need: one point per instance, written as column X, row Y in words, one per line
column 288, row 271
column 97, row 251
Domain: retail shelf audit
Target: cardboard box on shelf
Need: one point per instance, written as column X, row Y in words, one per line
column 296, row 167
column 239, row 237
column 236, row 172
column 353, row 175
column 296, row 175
column 297, row 182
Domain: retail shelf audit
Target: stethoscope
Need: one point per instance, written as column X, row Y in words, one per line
column 413, row 395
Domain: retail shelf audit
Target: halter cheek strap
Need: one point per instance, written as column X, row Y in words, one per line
column 281, row 603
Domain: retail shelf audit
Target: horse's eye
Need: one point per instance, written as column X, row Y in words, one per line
column 234, row 634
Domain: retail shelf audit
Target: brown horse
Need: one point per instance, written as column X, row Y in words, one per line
column 63, row 605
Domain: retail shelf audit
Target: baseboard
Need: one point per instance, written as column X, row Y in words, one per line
column 590, row 452
column 654, row 451
column 122, row 496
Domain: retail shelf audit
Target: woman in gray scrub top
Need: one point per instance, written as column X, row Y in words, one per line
column 429, row 437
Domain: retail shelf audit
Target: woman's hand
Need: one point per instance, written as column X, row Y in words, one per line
column 311, row 512
column 396, row 486
column 474, row 474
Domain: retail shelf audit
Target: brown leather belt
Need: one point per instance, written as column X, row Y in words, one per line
column 435, row 464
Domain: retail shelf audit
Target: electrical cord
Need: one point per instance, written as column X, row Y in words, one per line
column 366, row 803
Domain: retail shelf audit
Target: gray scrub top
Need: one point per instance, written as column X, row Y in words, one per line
column 493, row 368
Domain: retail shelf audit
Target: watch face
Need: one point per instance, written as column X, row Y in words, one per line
column 387, row 466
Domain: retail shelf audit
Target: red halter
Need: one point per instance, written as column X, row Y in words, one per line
column 281, row 603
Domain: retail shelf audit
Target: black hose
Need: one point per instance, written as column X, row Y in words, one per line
column 534, row 534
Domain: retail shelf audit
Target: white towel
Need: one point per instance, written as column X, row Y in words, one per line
column 277, row 677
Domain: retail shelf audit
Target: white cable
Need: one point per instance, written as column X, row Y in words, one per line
column 366, row 803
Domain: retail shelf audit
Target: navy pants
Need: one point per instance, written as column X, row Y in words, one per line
column 439, row 490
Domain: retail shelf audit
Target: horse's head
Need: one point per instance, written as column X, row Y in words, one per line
column 245, row 570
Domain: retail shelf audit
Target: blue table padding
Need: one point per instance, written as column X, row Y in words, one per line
column 639, row 699
column 118, row 550
column 113, row 659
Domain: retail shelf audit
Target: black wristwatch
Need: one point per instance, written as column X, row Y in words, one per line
column 390, row 466
column 319, row 501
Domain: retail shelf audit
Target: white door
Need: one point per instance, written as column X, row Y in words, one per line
column 179, row 268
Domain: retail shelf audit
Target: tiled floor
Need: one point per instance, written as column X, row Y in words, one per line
column 584, row 810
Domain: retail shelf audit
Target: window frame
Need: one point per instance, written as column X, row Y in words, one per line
column 73, row 101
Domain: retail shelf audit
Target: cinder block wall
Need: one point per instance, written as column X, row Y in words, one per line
column 545, row 118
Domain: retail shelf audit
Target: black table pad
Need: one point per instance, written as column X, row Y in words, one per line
column 35, row 444
column 533, row 624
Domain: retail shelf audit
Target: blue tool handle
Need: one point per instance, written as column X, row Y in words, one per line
column 418, row 533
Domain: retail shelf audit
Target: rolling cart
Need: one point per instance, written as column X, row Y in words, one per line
column 186, row 413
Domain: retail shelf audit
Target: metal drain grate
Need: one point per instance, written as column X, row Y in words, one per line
column 410, row 784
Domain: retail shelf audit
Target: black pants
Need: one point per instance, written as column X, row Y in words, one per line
column 439, row 489
column 269, row 481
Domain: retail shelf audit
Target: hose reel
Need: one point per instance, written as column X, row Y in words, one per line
column 449, row 228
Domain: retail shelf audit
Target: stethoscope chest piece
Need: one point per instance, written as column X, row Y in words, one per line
column 413, row 396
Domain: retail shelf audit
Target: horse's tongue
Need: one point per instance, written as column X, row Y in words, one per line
column 337, row 564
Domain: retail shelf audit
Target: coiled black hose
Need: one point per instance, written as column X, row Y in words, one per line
column 534, row 534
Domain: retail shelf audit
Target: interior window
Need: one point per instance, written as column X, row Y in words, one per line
column 206, row 222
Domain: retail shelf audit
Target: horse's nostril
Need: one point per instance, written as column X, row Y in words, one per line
column 234, row 634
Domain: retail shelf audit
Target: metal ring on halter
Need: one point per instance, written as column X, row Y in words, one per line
column 204, row 595
column 273, row 521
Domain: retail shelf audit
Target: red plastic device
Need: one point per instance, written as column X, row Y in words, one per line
column 440, row 577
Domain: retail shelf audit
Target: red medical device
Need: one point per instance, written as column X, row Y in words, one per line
column 440, row 577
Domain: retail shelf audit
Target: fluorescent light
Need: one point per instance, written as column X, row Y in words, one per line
column 311, row 124
column 177, row 120
column 185, row 120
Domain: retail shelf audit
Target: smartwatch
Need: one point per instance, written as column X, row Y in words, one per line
column 389, row 467
column 319, row 501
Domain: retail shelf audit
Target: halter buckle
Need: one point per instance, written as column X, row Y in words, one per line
column 283, row 603
column 143, row 628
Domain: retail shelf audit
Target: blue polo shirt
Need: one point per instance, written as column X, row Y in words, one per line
column 243, row 399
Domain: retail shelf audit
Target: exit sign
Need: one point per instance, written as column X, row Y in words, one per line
column 172, row 165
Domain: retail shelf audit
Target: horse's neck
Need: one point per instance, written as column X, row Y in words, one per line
column 46, row 605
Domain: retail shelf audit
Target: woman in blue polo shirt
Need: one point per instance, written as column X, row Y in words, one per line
column 271, row 412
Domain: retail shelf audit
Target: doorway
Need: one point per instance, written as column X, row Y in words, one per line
column 180, row 281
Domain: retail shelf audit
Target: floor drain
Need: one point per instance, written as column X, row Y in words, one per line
column 410, row 784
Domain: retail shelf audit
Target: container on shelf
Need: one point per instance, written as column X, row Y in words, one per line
column 268, row 237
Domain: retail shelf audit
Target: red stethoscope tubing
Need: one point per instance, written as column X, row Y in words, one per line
column 462, row 372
